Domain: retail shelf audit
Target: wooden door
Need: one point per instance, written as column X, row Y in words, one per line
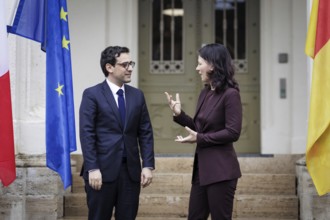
column 168, row 43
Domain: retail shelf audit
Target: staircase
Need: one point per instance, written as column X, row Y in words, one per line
column 266, row 191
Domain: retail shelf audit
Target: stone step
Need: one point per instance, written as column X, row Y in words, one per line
column 167, row 218
column 280, row 164
column 174, row 206
column 75, row 205
column 180, row 183
column 138, row 218
column 244, row 206
column 266, row 184
column 266, row 190
column 262, row 206
column 277, row 164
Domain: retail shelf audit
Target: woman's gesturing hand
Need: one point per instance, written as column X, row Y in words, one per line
column 175, row 105
column 191, row 138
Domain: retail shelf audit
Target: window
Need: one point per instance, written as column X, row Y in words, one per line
column 167, row 36
column 230, row 30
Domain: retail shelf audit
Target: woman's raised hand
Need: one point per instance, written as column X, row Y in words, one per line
column 175, row 105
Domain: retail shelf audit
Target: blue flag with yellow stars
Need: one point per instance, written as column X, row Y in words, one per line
column 60, row 123
column 46, row 21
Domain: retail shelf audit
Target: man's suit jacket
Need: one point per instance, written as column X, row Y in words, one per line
column 218, row 126
column 103, row 136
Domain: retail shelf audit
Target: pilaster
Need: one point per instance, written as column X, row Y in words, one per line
column 312, row 206
column 28, row 74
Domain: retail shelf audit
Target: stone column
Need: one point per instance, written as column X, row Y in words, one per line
column 37, row 192
column 312, row 206
column 28, row 94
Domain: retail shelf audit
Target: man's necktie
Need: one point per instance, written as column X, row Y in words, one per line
column 122, row 111
column 121, row 105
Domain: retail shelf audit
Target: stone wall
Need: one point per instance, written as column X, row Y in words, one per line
column 37, row 193
column 312, row 206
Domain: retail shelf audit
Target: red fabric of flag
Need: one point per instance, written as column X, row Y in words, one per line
column 7, row 152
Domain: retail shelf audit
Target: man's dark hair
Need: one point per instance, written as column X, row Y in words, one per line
column 109, row 55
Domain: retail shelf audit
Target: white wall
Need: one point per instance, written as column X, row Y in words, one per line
column 283, row 120
column 300, row 81
column 88, row 27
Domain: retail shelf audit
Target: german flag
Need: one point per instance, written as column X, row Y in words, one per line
column 318, row 140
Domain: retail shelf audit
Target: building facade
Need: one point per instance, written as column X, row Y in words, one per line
column 266, row 36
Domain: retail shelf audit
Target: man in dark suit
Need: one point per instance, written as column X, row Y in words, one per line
column 115, row 131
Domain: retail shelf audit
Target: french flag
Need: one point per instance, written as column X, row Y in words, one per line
column 7, row 152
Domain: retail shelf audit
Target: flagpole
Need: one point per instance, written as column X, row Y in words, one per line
column 309, row 59
column 13, row 12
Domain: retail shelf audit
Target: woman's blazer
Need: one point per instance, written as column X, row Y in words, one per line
column 218, row 125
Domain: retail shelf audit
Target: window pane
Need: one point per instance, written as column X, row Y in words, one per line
column 241, row 30
column 156, row 34
column 178, row 29
column 218, row 24
column 230, row 26
column 167, row 31
column 167, row 36
column 230, row 35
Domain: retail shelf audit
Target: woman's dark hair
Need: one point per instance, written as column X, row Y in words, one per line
column 222, row 76
column 109, row 55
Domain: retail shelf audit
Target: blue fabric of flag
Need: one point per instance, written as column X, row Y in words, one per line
column 60, row 119
column 29, row 21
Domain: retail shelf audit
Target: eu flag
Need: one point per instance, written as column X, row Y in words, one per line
column 60, row 120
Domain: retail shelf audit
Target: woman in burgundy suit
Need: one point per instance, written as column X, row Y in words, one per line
column 215, row 126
